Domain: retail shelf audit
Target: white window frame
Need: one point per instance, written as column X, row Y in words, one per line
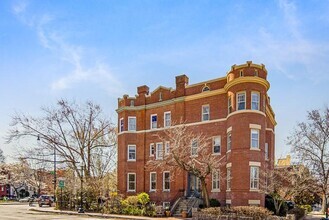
column 133, row 153
column 254, row 177
column 154, row 125
column 213, row 145
column 256, row 102
column 238, row 100
column 121, row 125
column 228, row 179
column 254, row 139
column 205, row 114
column 215, row 181
column 152, row 150
column 132, row 126
column 159, row 151
column 165, row 189
column 266, row 151
column 194, row 148
column 154, row 174
column 229, row 141
column 167, row 121
column 128, row 182
column 167, row 148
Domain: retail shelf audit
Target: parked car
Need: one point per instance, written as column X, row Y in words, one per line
column 26, row 199
column 45, row 200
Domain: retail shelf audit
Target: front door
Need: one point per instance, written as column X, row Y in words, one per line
column 194, row 186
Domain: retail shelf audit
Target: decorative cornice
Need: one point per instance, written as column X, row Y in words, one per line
column 247, row 79
column 150, row 106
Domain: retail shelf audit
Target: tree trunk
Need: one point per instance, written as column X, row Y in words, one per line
column 205, row 195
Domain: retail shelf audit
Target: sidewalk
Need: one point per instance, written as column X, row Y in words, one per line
column 99, row 215
column 315, row 216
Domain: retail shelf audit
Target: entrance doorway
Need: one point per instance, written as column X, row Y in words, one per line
column 194, row 186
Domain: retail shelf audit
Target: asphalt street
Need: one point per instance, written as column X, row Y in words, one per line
column 21, row 212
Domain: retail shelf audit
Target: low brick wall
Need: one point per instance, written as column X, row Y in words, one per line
column 203, row 216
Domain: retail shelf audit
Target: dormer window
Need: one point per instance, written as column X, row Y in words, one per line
column 256, row 73
column 205, row 88
column 241, row 73
column 132, row 103
column 160, row 96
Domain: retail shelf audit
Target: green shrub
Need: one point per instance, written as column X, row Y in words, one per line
column 214, row 203
column 307, row 208
column 298, row 212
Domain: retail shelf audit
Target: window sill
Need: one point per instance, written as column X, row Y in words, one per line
column 228, row 190
column 254, row 190
column 255, row 149
column 216, row 154
column 215, row 190
column 131, row 191
column 166, row 190
column 152, row 191
column 131, row 160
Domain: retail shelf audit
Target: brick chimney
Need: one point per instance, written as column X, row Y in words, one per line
column 181, row 83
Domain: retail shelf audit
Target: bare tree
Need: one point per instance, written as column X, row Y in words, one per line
column 76, row 133
column 190, row 152
column 16, row 175
column 310, row 142
column 2, row 157
column 287, row 182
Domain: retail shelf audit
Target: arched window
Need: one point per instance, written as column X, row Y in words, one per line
column 205, row 88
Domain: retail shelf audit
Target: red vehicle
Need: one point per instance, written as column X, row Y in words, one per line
column 45, row 200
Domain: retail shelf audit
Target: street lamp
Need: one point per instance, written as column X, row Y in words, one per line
column 81, row 210
column 55, row 178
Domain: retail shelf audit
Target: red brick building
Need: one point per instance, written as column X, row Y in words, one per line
column 234, row 110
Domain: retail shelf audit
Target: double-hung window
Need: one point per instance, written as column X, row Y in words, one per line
column 254, row 177
column 228, row 178
column 216, row 145
column 166, row 181
column 154, row 121
column 266, row 151
column 153, row 181
column 152, row 150
column 159, row 151
column 131, row 123
column 229, row 104
column 167, row 148
column 121, row 125
column 254, row 142
column 167, row 119
column 131, row 182
column 241, row 101
column 215, row 180
column 205, row 113
column 194, row 148
column 254, row 100
column 131, row 152
column 229, row 141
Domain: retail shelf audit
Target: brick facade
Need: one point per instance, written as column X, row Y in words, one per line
column 253, row 124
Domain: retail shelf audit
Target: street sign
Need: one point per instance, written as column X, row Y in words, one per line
column 61, row 184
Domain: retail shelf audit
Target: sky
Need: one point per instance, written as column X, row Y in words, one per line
column 101, row 49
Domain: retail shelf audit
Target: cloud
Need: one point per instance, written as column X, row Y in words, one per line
column 82, row 67
column 20, row 7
